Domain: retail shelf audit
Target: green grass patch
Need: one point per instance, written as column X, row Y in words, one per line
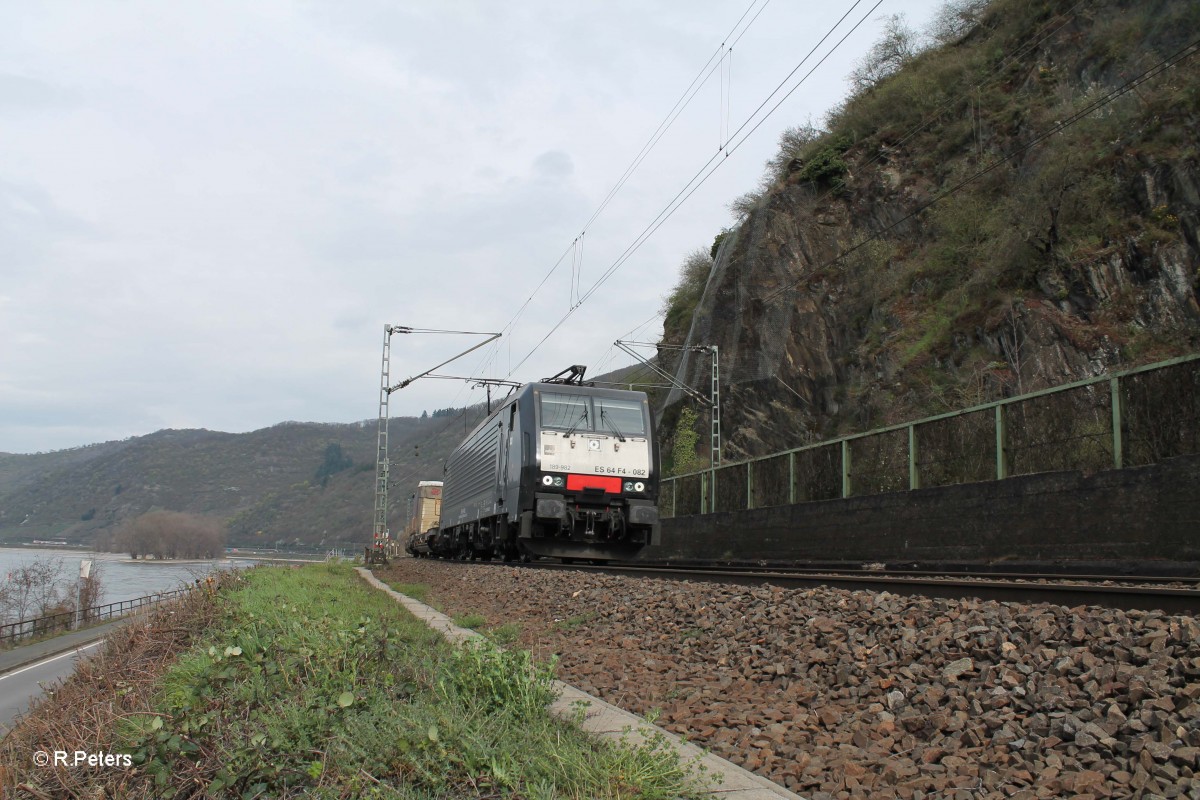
column 505, row 634
column 310, row 683
column 576, row 621
column 417, row 591
column 472, row 621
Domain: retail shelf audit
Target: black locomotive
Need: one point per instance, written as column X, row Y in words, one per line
column 561, row 469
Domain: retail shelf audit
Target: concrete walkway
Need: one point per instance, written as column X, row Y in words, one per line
column 608, row 721
column 29, row 653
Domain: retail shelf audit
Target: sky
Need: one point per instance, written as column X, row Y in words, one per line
column 209, row 210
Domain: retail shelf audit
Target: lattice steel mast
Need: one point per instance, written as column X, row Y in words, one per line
column 381, row 533
column 382, row 464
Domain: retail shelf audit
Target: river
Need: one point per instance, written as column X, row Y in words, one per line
column 120, row 577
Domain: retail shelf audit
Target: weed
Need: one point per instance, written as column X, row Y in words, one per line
column 417, row 591
column 576, row 621
column 472, row 621
column 308, row 682
column 505, row 634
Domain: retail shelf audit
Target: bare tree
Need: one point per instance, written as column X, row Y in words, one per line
column 898, row 45
column 171, row 534
column 955, row 19
column 32, row 589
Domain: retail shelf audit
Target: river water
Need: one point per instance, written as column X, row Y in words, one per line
column 121, row 577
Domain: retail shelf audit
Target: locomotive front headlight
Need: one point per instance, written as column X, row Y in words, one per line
column 558, row 481
column 628, row 486
column 639, row 487
column 547, row 480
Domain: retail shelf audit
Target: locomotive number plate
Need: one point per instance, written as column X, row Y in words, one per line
column 637, row 473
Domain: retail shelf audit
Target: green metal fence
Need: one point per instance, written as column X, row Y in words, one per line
column 1132, row 418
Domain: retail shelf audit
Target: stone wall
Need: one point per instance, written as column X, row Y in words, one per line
column 1132, row 516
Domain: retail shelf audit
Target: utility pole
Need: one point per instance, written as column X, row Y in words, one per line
column 381, row 533
column 382, row 464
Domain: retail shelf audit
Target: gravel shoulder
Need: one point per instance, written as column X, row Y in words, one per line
column 839, row 694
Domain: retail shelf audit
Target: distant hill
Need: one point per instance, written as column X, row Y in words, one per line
column 295, row 483
column 269, row 485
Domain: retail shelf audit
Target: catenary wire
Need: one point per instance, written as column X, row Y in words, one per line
column 700, row 177
column 701, row 78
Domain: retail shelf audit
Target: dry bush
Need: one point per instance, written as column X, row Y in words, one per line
column 86, row 711
column 171, row 534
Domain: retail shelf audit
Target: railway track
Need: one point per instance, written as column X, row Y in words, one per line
column 1141, row 593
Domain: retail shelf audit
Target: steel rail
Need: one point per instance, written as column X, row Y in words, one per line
column 1129, row 598
column 929, row 572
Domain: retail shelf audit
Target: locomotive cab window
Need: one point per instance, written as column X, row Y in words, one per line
column 622, row 417
column 565, row 412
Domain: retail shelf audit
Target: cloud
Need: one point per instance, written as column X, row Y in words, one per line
column 553, row 165
column 209, row 210
column 21, row 93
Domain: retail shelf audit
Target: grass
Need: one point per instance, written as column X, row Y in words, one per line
column 312, row 684
column 417, row 591
column 576, row 621
column 505, row 634
column 472, row 621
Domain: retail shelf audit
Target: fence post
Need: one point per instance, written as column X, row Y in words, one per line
column 792, row 477
column 1001, row 451
column 674, row 495
column 846, row 485
column 914, row 476
column 749, row 486
column 1117, row 445
column 703, row 492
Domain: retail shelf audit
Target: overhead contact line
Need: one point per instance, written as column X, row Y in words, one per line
column 702, row 176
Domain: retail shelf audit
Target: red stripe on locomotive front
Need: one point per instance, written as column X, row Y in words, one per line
column 577, row 483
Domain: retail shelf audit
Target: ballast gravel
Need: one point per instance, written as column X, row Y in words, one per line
column 840, row 694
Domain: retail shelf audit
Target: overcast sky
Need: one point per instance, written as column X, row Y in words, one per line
column 208, row 211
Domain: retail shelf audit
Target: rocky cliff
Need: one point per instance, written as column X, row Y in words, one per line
column 1011, row 210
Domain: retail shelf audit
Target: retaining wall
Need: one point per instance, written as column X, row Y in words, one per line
column 1129, row 515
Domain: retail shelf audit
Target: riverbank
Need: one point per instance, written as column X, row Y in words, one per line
column 120, row 577
column 304, row 682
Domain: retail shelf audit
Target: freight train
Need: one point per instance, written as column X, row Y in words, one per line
column 561, row 469
column 425, row 509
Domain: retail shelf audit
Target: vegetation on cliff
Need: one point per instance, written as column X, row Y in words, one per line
column 1008, row 203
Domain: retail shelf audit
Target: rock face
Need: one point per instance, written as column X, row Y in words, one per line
column 917, row 280
column 839, row 694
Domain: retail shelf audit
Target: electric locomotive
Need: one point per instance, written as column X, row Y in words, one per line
column 560, row 469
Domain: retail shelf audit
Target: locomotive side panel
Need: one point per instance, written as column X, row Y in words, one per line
column 472, row 477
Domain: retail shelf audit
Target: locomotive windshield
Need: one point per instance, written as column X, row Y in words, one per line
column 565, row 411
column 573, row 412
column 623, row 416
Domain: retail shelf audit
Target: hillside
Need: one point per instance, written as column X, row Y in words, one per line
column 264, row 484
column 1015, row 207
column 295, row 483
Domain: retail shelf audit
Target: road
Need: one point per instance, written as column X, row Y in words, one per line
column 22, row 686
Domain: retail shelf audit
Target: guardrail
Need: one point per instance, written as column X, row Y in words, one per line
column 13, row 632
column 1131, row 418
